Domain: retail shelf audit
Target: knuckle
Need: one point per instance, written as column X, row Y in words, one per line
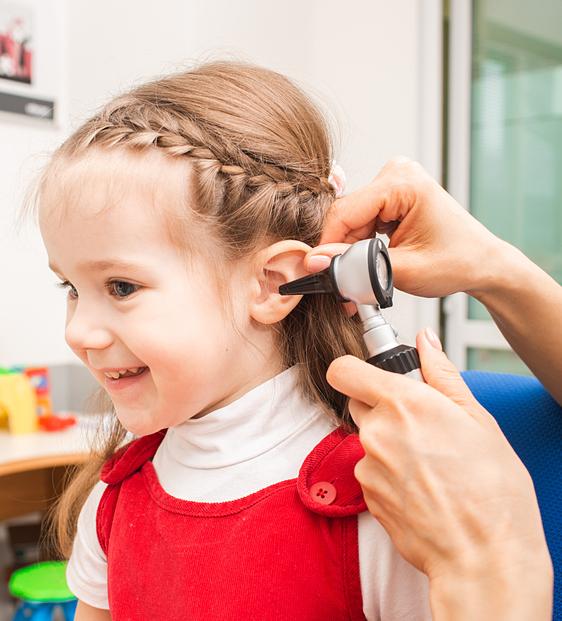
column 354, row 406
column 338, row 367
column 359, row 471
column 410, row 399
column 415, row 167
column 363, row 473
column 402, row 192
column 399, row 160
column 367, row 438
column 445, row 370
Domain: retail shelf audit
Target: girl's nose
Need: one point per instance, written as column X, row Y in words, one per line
column 86, row 330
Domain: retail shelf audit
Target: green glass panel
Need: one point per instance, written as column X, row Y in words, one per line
column 477, row 310
column 516, row 128
column 496, row 360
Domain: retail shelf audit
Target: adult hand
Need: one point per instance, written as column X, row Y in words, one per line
column 444, row 482
column 438, row 248
column 433, row 240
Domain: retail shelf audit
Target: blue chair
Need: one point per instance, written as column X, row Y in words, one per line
column 532, row 423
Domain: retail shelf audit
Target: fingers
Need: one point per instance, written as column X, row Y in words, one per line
column 320, row 257
column 440, row 373
column 353, row 212
column 360, row 412
column 381, row 204
column 363, row 382
column 374, row 388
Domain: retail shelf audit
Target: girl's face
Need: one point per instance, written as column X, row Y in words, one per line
column 135, row 303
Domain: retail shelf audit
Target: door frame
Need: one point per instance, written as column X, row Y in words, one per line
column 462, row 333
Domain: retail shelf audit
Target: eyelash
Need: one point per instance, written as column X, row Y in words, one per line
column 109, row 285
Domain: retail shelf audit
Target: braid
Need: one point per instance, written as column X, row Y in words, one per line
column 121, row 126
column 260, row 156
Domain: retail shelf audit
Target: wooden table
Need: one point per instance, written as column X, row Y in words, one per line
column 32, row 466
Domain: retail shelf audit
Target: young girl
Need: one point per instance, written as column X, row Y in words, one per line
column 172, row 217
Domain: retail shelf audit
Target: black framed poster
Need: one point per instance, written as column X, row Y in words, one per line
column 30, row 58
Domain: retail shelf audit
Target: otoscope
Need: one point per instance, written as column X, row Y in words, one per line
column 363, row 275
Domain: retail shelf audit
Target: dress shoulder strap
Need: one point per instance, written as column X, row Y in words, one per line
column 131, row 457
column 125, row 462
column 326, row 483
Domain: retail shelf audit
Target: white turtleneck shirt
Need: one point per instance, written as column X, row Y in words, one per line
column 259, row 439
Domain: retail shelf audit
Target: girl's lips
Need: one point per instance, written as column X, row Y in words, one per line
column 125, row 382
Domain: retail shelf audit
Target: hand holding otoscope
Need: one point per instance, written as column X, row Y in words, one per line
column 363, row 275
column 422, row 440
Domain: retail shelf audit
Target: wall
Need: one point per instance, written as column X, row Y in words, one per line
column 363, row 63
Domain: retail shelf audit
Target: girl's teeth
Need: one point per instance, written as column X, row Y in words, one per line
column 122, row 372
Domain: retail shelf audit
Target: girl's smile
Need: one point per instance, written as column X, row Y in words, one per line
column 134, row 299
column 121, row 383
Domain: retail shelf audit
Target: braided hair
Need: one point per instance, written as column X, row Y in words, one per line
column 259, row 155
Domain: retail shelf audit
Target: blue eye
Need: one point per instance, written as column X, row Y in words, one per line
column 121, row 288
column 117, row 288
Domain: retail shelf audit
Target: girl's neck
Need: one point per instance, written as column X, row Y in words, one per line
column 262, row 418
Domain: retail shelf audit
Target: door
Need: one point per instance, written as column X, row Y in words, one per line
column 504, row 144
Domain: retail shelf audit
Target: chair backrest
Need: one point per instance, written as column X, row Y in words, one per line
column 532, row 423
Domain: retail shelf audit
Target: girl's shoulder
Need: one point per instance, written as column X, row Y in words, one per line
column 326, row 482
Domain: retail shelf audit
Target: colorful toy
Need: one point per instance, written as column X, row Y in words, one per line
column 18, row 403
column 39, row 378
column 25, row 401
column 55, row 422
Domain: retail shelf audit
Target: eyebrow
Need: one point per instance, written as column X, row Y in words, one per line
column 104, row 265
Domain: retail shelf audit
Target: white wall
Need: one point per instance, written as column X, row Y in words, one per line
column 362, row 60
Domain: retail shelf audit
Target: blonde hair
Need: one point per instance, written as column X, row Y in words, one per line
column 260, row 154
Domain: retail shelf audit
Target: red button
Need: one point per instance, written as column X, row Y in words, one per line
column 323, row 493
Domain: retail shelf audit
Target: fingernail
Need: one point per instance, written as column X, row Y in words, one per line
column 319, row 262
column 433, row 339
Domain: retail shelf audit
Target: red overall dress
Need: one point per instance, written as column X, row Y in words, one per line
column 286, row 552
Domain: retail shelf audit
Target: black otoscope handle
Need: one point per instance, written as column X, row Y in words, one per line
column 400, row 359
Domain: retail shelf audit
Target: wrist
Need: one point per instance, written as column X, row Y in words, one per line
column 504, row 270
column 503, row 590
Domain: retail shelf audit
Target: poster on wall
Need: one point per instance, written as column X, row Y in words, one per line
column 30, row 35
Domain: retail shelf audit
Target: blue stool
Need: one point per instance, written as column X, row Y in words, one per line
column 42, row 589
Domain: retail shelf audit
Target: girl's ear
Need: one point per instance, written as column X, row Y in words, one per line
column 275, row 265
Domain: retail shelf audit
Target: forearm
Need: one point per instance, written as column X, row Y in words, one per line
column 526, row 304
column 503, row 594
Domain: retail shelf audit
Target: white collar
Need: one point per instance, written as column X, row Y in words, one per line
column 259, row 420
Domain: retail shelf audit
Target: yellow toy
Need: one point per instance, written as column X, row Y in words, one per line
column 18, row 403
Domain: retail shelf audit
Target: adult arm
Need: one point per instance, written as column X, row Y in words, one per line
column 526, row 305
column 437, row 248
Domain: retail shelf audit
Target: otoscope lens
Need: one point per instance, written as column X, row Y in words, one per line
column 382, row 271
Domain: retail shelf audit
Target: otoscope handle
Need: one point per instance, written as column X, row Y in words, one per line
column 401, row 359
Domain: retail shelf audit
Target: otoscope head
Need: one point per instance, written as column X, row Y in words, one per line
column 362, row 275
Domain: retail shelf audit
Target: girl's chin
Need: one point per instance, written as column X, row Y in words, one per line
column 135, row 426
column 140, row 431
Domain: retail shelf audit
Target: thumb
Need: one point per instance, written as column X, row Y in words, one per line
column 440, row 373
column 319, row 257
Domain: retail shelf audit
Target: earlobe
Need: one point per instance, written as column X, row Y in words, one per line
column 275, row 265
